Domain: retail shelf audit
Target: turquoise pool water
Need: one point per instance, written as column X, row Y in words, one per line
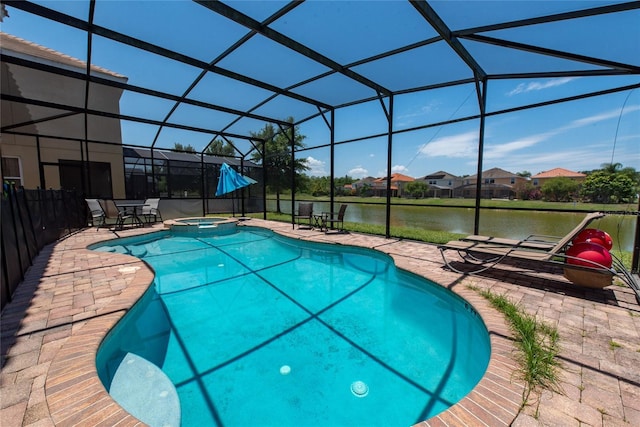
column 253, row 328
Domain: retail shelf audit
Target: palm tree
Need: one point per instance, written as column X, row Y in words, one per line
column 611, row 168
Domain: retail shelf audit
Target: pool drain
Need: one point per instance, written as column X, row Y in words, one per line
column 359, row 389
column 285, row 369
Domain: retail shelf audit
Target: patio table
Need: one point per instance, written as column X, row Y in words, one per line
column 320, row 221
column 132, row 208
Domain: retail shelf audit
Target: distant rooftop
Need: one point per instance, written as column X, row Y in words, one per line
column 553, row 173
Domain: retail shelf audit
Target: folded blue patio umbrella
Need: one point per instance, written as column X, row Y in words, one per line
column 230, row 180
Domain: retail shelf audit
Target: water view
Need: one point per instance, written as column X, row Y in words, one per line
column 500, row 223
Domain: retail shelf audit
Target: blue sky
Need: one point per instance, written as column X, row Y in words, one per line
column 579, row 135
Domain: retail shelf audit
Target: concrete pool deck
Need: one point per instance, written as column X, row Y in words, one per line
column 71, row 297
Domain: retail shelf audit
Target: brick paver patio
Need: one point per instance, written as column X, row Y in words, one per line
column 71, row 297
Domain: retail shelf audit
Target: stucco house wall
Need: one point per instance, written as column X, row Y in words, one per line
column 41, row 156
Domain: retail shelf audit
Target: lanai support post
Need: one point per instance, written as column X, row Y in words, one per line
column 389, row 114
column 293, row 176
column 41, row 166
column 242, row 190
column 332, row 154
column 481, row 91
column 203, row 185
column 264, row 180
column 636, row 245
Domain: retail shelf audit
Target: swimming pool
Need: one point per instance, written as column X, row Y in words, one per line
column 256, row 328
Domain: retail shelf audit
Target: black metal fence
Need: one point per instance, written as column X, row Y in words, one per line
column 32, row 219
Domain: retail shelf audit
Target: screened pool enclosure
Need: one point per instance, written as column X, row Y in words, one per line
column 288, row 91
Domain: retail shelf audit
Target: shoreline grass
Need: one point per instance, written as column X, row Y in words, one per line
column 470, row 203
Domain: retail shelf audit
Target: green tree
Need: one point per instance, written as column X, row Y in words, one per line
column 416, row 189
column 559, row 189
column 612, row 184
column 188, row 148
column 604, row 187
column 631, row 173
column 276, row 160
column 623, row 189
column 303, row 183
column 319, row 186
column 366, row 190
column 219, row 147
column 525, row 190
column 340, row 183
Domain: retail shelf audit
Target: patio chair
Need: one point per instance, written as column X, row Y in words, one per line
column 534, row 241
column 97, row 213
column 151, row 210
column 487, row 252
column 485, row 255
column 114, row 213
column 305, row 214
column 334, row 219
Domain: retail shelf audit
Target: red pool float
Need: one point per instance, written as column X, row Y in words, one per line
column 587, row 253
column 592, row 235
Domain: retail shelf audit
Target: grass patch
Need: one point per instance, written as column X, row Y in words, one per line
column 624, row 256
column 537, row 344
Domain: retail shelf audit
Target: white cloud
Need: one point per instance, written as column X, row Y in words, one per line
column 399, row 169
column 461, row 145
column 538, row 85
column 358, row 172
column 613, row 114
column 316, row 167
column 419, row 112
column 464, row 145
column 501, row 150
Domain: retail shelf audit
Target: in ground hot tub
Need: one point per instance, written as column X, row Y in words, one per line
column 220, row 224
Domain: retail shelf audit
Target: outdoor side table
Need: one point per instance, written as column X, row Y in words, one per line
column 320, row 221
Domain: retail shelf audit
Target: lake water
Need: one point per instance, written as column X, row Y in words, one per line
column 499, row 223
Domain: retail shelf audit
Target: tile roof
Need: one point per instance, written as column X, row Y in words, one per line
column 439, row 175
column 15, row 44
column 400, row 177
column 396, row 177
column 559, row 172
column 494, row 173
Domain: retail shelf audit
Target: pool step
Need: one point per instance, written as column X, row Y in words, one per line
column 146, row 392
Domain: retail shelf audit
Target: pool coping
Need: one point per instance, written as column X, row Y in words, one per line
column 72, row 297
